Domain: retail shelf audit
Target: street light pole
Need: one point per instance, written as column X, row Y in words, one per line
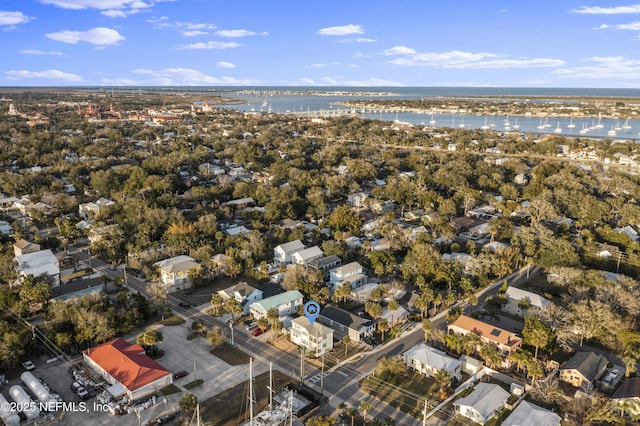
column 231, row 327
column 124, row 268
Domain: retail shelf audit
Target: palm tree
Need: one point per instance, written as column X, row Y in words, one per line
column 534, row 371
column 427, row 328
column 490, row 355
column 521, row 358
column 383, row 325
column 443, row 379
column 364, row 406
column 343, row 406
column 353, row 413
column 345, row 341
column 470, row 343
column 216, row 303
column 453, row 342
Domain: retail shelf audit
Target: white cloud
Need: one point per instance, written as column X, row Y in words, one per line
column 325, row 65
column 469, row 60
column 399, row 50
column 47, row 75
column 40, row 52
column 633, row 26
column 187, row 29
column 341, row 31
column 234, row 33
column 602, row 27
column 224, row 64
column 209, row 45
column 339, row 81
column 186, row 77
column 358, row 40
column 600, row 67
column 99, row 36
column 599, row 10
column 110, row 8
column 13, row 18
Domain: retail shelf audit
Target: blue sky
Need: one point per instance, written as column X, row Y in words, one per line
column 323, row 43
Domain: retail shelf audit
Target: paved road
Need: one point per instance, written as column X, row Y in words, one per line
column 341, row 384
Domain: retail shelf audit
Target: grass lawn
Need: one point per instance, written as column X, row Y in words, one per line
column 193, row 384
column 404, row 392
column 172, row 319
column 230, row 355
column 170, row 389
column 229, row 407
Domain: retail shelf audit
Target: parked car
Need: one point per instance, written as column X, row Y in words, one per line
column 615, row 372
column 257, row 332
column 180, row 374
column 185, row 304
column 166, row 418
column 28, row 365
column 79, row 390
column 251, row 326
column 247, row 321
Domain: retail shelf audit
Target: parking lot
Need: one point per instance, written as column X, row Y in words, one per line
column 179, row 354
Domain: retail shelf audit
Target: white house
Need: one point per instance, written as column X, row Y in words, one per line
column 303, row 257
column 351, row 272
column 23, row 246
column 428, row 360
column 315, row 338
column 486, row 400
column 357, row 200
column 243, row 293
column 286, row 303
column 38, row 263
column 91, row 210
column 395, row 317
column 175, row 271
column 284, row 252
column 530, row 414
column 517, row 299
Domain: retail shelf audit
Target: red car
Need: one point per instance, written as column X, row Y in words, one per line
column 257, row 332
column 180, row 374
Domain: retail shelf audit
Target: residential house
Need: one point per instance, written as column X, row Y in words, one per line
column 303, row 257
column 346, row 323
column 505, row 341
column 219, row 263
column 38, row 263
column 243, row 293
column 286, row 303
column 91, row 210
column 357, row 200
column 315, row 338
column 583, row 369
column 283, row 253
column 100, row 233
column 523, row 303
column 428, row 360
column 527, row 413
column 75, row 289
column 398, row 316
column 23, row 246
column 351, row 272
column 325, row 263
column 627, row 396
column 486, row 401
column 175, row 272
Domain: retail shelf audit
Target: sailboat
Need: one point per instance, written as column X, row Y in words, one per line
column 516, row 125
column 546, row 122
column 461, row 125
column 485, row 126
column 626, row 125
column 507, row 123
column 617, row 126
column 611, row 132
column 571, row 125
column 541, row 126
column 558, row 129
column 432, row 121
column 599, row 125
column 584, row 129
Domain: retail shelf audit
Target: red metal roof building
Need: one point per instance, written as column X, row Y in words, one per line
column 127, row 368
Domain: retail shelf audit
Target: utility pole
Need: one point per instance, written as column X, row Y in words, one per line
column 424, row 413
column 301, row 364
column 231, row 327
column 124, row 269
column 322, row 376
